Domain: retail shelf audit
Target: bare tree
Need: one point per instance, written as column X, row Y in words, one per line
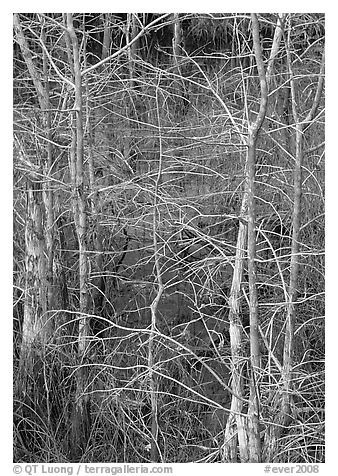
column 255, row 354
column 284, row 416
column 81, row 417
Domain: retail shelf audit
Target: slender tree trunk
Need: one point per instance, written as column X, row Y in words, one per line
column 253, row 410
column 248, row 431
column 255, row 357
column 131, row 33
column 106, row 35
column 48, row 196
column 99, row 282
column 81, row 413
column 177, row 39
column 277, row 38
column 283, row 399
column 155, row 452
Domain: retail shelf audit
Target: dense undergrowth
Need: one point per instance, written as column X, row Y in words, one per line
column 185, row 129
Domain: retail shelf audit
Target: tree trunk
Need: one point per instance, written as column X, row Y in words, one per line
column 35, row 308
column 39, row 225
column 81, row 411
column 106, row 35
column 248, row 432
column 177, row 39
column 255, row 357
column 48, row 194
column 131, row 32
column 236, row 424
column 283, row 397
column 155, row 452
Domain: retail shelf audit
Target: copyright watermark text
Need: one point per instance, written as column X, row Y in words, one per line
column 82, row 469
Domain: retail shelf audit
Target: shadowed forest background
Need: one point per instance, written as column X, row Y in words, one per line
column 169, row 237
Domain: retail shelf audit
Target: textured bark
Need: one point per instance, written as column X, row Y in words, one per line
column 39, row 221
column 35, row 289
column 236, row 424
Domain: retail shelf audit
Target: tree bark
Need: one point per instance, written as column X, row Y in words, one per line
column 236, row 425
